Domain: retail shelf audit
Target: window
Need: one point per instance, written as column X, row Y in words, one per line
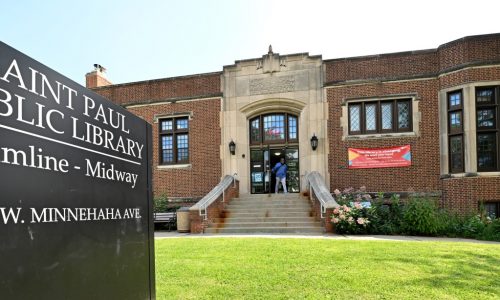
column 455, row 131
column 487, row 128
column 382, row 116
column 492, row 209
column 174, row 140
column 274, row 128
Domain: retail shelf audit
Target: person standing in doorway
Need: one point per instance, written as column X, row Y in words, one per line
column 280, row 169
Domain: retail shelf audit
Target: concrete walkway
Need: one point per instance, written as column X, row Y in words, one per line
column 175, row 234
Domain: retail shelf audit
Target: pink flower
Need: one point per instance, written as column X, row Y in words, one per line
column 358, row 205
column 335, row 220
column 342, row 217
column 336, row 192
column 361, row 221
column 363, row 188
column 350, row 220
column 367, row 196
column 347, row 209
column 336, row 211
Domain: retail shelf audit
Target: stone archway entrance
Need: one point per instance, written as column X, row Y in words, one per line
column 273, row 136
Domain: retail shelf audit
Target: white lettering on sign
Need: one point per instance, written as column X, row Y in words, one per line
column 109, row 119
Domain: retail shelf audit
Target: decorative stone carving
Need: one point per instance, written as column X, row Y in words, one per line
column 272, row 62
column 272, row 85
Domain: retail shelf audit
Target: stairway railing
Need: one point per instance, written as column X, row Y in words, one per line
column 213, row 195
column 317, row 185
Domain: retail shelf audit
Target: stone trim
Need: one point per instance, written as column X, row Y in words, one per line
column 470, row 143
column 416, row 118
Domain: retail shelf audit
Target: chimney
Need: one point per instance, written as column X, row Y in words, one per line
column 96, row 78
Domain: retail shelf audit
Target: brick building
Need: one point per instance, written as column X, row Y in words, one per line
column 443, row 102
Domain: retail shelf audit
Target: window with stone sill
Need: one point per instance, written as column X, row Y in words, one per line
column 380, row 116
column 174, row 141
column 455, row 131
column 487, row 129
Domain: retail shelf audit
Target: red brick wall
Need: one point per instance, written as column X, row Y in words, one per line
column 406, row 64
column 214, row 211
column 463, row 194
column 423, row 175
column 469, row 50
column 193, row 86
column 374, row 73
column 204, row 154
column 455, row 54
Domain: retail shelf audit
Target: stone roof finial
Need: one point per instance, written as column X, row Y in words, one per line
column 270, row 50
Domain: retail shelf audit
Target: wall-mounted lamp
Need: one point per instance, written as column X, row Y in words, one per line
column 314, row 142
column 232, row 147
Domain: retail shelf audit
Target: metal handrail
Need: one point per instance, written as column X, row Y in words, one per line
column 325, row 198
column 213, row 195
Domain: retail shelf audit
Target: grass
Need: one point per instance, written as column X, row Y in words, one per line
column 266, row 268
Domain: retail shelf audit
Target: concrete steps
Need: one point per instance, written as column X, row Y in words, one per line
column 264, row 214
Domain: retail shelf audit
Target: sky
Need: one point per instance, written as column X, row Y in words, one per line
column 142, row 40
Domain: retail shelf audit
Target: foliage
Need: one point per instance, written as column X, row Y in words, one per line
column 160, row 204
column 386, row 217
column 417, row 216
column 420, row 217
column 285, row 268
column 491, row 230
column 350, row 219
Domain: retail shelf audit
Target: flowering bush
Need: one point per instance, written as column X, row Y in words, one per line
column 350, row 219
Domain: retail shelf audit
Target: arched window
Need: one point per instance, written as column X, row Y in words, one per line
column 276, row 128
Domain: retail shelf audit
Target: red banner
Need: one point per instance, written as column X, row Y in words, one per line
column 379, row 157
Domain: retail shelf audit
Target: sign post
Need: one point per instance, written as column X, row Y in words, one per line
column 75, row 184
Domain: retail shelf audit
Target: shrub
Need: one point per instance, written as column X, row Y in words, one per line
column 351, row 219
column 386, row 218
column 491, row 230
column 420, row 217
column 160, row 204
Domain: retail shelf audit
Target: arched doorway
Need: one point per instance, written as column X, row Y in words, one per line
column 273, row 136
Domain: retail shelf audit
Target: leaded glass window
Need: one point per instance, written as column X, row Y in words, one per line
column 355, row 118
column 386, row 115
column 456, row 153
column 486, row 117
column 371, row 117
column 403, row 115
column 486, row 151
column 487, row 130
column 380, row 116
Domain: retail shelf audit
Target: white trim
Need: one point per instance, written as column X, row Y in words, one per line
column 415, row 118
column 179, row 166
column 470, row 132
column 468, row 68
column 156, row 117
column 368, row 81
column 170, row 102
column 380, row 136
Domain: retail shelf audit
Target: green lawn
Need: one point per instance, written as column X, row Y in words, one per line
column 265, row 268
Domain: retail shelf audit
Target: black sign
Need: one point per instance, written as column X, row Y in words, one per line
column 75, row 190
